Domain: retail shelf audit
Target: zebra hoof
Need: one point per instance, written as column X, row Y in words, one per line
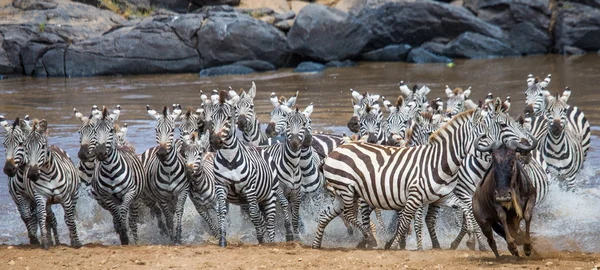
column 76, row 244
column 483, row 248
column 388, row 245
column 223, row 242
column 527, row 249
column 45, row 245
column 471, row 244
column 454, row 245
column 350, row 231
column 260, row 240
column 34, row 241
column 289, row 237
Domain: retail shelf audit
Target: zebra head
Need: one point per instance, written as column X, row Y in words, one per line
column 105, row 135
column 397, row 121
column 420, row 129
column 370, row 121
column 165, row 129
column 13, row 143
column 456, row 100
column 223, row 117
column 418, row 96
column 189, row 123
column 36, row 148
column 359, row 103
column 296, row 127
column 535, row 96
column 282, row 106
column 193, row 151
column 245, row 110
column 87, row 134
column 556, row 112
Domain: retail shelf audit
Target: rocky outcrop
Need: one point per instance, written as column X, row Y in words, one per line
column 525, row 22
column 577, row 26
column 422, row 56
column 308, row 66
column 226, row 70
column 326, row 34
column 417, row 22
column 475, row 46
column 388, row 53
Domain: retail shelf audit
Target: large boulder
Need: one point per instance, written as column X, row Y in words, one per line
column 327, row 34
column 417, row 22
column 577, row 25
column 309, row 66
column 227, row 36
column 476, row 46
column 422, row 56
column 526, row 22
column 279, row 6
column 156, row 45
column 388, row 53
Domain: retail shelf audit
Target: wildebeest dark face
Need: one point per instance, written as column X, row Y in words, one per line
column 504, row 162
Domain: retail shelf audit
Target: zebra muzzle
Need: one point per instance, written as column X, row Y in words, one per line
column 270, row 131
column 84, row 152
column 10, row 168
column 555, row 127
column 372, row 138
column 33, row 173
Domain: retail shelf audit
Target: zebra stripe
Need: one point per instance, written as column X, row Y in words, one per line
column 118, row 181
column 51, row 178
column 165, row 171
column 397, row 178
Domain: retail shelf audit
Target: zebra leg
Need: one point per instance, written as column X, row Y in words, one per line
column 52, row 226
column 452, row 201
column 379, row 218
column 179, row 215
column 133, row 220
column 222, row 214
column 419, row 228
column 431, row 219
column 349, row 213
column 461, row 234
column 167, row 211
column 69, row 207
column 27, row 212
column 255, row 215
column 203, row 212
column 156, row 212
column 328, row 214
column 41, row 219
column 270, row 209
column 528, row 215
column 404, row 218
column 286, row 208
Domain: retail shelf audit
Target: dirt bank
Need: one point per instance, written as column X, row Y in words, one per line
column 276, row 256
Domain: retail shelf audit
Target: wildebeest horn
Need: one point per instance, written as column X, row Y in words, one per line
column 482, row 148
column 524, row 148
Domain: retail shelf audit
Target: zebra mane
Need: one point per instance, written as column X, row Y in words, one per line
column 34, row 125
column 165, row 111
column 104, row 112
column 427, row 115
column 189, row 111
column 117, row 128
column 461, row 117
column 457, row 91
column 415, row 88
column 16, row 123
column 399, row 101
column 222, row 96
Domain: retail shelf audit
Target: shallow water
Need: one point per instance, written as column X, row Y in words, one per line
column 564, row 221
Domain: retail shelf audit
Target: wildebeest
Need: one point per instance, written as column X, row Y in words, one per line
column 506, row 195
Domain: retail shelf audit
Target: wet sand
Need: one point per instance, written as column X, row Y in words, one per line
column 277, row 256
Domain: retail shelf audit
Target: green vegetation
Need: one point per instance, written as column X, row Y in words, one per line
column 42, row 27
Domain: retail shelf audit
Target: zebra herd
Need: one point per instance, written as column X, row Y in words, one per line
column 419, row 158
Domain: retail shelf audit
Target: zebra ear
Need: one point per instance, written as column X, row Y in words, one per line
column 116, row 112
column 285, row 108
column 467, row 92
column 530, row 80
column 274, row 100
column 356, row 95
column 566, row 94
column 424, row 90
column 506, row 104
column 498, row 105
column 43, row 127
column 4, row 124
column 203, row 97
column 404, row 89
column 292, row 101
column 449, row 92
column 79, row 115
column 152, row 112
column 24, row 126
column 543, row 84
column 176, row 111
column 252, row 91
column 308, row 111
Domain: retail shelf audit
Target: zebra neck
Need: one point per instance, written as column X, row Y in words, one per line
column 231, row 146
column 112, row 158
column 252, row 133
column 293, row 157
column 171, row 157
column 450, row 145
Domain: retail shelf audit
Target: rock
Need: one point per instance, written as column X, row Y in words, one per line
column 475, row 46
column 525, row 22
column 591, row 3
column 285, row 16
column 434, row 47
column 577, row 25
column 417, row 22
column 11, row 262
column 308, row 66
column 422, row 56
column 350, row 6
column 326, row 34
column 227, row 37
column 226, row 70
column 549, row 264
column 570, row 50
column 279, row 6
column 525, row 38
column 297, row 5
column 283, row 26
column 388, row 53
column 34, row 4
column 267, row 19
column 257, row 65
column 341, row 64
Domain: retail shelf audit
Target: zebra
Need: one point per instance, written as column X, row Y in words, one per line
column 456, row 100
column 397, row 121
column 165, row 171
column 50, row 178
column 118, row 181
column 560, row 146
column 416, row 99
column 14, row 168
column 398, row 178
column 247, row 122
column 286, row 158
column 277, row 123
column 200, row 173
column 242, row 172
column 371, row 125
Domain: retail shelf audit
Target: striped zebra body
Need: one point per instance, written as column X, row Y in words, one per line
column 323, row 144
column 397, row 178
column 51, row 178
column 165, row 172
column 245, row 176
column 119, row 180
column 396, row 122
